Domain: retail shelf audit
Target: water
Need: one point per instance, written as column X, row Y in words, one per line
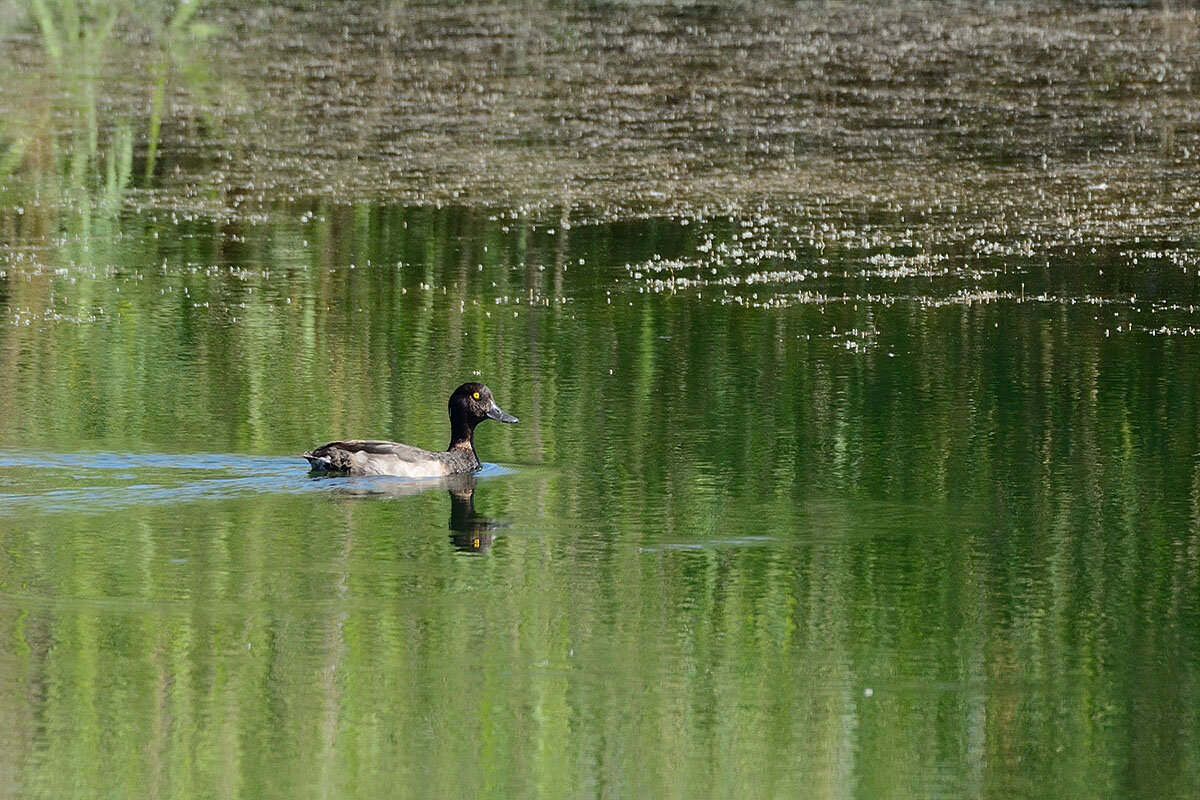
column 854, row 351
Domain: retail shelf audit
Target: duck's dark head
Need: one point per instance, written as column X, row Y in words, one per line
column 471, row 404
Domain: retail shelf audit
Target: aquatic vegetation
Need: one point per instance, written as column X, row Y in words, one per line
column 75, row 152
column 866, row 110
column 836, row 162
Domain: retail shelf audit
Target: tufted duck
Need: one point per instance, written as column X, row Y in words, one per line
column 470, row 404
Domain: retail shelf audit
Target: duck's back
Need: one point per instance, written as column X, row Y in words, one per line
column 373, row 457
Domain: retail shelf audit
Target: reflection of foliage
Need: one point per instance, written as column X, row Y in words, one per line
column 991, row 528
column 12, row 156
column 67, row 26
column 58, row 152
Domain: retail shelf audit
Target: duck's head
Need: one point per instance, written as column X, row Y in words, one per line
column 473, row 402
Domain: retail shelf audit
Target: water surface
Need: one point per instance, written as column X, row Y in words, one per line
column 854, row 351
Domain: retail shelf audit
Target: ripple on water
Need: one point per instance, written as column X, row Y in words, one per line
column 97, row 482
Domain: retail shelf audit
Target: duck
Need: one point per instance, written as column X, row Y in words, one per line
column 469, row 405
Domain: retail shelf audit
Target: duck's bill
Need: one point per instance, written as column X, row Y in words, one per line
column 500, row 415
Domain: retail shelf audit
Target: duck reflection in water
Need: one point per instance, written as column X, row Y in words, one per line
column 470, row 531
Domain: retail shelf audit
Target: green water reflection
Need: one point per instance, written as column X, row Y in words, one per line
column 737, row 557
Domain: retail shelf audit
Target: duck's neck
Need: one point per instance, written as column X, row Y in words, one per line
column 462, row 435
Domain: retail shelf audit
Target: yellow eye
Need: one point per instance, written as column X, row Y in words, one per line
column 476, row 395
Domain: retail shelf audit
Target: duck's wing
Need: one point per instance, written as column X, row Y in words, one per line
column 405, row 452
column 375, row 457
